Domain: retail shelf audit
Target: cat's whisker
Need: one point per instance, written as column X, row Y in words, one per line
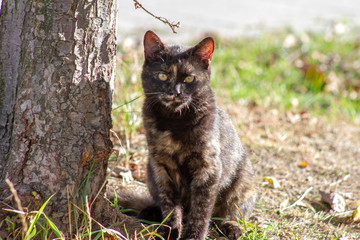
column 188, row 107
column 152, row 93
column 199, row 106
column 153, row 104
column 195, row 107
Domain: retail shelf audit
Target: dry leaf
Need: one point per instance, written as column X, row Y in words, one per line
column 302, row 204
column 356, row 214
column 284, row 204
column 335, row 200
column 109, row 236
column 273, row 181
column 303, row 164
column 123, row 173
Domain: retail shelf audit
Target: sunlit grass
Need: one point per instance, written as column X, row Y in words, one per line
column 314, row 72
column 319, row 73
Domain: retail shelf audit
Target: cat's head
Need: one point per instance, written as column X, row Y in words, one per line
column 176, row 77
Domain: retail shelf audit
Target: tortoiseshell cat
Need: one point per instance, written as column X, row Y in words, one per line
column 197, row 167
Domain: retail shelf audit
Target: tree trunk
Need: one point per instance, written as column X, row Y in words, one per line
column 57, row 61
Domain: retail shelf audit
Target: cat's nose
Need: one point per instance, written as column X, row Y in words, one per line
column 176, row 91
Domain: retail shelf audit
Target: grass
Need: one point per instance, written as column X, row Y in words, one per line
column 301, row 72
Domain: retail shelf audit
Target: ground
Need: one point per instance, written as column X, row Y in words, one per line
column 300, row 151
column 279, row 144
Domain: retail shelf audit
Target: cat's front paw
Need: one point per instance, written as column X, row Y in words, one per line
column 151, row 213
column 231, row 229
column 191, row 237
column 168, row 233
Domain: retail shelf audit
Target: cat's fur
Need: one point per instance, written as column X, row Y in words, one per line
column 197, row 166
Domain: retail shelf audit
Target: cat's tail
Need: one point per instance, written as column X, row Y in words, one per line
column 134, row 195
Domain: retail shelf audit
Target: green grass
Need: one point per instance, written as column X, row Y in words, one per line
column 37, row 224
column 126, row 112
column 268, row 72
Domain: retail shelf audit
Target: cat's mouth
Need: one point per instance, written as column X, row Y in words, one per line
column 175, row 103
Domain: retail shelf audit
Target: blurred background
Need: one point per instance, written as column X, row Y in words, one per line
column 301, row 56
column 233, row 18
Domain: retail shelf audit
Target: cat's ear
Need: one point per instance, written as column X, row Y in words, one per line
column 204, row 50
column 153, row 47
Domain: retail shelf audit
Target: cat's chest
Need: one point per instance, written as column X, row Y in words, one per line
column 173, row 143
column 192, row 147
column 173, row 136
column 164, row 142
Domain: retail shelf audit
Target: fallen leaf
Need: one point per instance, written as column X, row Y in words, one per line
column 335, row 200
column 109, row 236
column 273, row 181
column 123, row 173
column 284, row 204
column 356, row 214
column 303, row 164
column 346, row 214
column 302, row 204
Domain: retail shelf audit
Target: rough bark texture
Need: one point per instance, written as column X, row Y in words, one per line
column 56, row 68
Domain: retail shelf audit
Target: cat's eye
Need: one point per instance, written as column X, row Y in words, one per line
column 162, row 76
column 189, row 79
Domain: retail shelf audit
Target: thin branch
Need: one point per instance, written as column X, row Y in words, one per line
column 172, row 25
column 19, row 206
column 88, row 215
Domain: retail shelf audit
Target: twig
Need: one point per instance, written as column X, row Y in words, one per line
column 89, row 216
column 164, row 20
column 340, row 180
column 68, row 192
column 98, row 193
column 300, row 199
column 19, row 206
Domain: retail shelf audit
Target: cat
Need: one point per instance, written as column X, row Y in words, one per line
column 197, row 167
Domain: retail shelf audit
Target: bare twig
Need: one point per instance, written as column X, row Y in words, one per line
column 340, row 180
column 299, row 200
column 68, row 192
column 98, row 193
column 89, row 216
column 172, row 25
column 19, row 206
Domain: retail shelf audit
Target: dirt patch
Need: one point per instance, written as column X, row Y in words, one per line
column 301, row 152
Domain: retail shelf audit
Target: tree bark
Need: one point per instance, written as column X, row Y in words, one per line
column 57, row 61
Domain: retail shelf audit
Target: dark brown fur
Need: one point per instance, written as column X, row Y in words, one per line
column 197, row 166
